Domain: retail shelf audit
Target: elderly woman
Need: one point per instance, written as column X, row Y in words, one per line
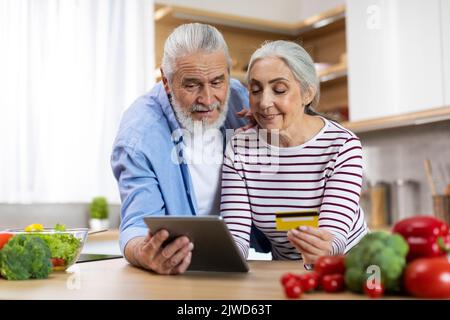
column 293, row 162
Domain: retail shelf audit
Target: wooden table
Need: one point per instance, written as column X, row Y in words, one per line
column 116, row 279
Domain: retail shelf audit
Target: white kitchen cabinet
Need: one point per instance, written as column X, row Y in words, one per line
column 445, row 20
column 395, row 56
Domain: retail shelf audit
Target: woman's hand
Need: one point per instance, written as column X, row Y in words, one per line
column 246, row 113
column 311, row 242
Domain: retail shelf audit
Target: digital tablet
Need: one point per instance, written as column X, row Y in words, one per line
column 214, row 246
column 88, row 257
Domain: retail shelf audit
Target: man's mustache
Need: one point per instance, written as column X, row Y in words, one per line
column 199, row 107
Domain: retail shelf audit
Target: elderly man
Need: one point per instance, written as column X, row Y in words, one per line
column 167, row 156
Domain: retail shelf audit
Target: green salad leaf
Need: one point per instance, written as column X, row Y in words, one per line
column 62, row 245
column 60, row 227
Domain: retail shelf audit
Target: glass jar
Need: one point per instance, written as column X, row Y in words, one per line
column 405, row 199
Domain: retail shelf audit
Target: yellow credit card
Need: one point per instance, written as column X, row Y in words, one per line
column 289, row 220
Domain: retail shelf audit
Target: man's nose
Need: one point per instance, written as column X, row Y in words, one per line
column 206, row 97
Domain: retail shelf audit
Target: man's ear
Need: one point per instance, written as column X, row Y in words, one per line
column 165, row 82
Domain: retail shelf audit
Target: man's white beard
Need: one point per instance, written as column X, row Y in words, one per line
column 184, row 117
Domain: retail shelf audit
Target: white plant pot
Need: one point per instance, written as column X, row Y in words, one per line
column 98, row 224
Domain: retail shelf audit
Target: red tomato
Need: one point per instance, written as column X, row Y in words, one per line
column 293, row 289
column 333, row 283
column 308, row 281
column 330, row 265
column 4, row 238
column 58, row 262
column 286, row 277
column 428, row 278
column 374, row 291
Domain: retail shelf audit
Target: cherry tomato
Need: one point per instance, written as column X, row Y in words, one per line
column 286, row 277
column 428, row 278
column 293, row 289
column 374, row 290
column 330, row 265
column 4, row 238
column 308, row 281
column 333, row 283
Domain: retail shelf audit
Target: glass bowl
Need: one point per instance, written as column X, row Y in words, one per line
column 65, row 246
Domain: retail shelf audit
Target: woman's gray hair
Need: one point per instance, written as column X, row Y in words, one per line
column 189, row 39
column 298, row 61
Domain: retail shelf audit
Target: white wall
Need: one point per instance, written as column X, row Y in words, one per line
column 73, row 215
column 288, row 11
column 399, row 153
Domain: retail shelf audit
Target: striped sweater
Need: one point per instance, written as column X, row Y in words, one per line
column 323, row 174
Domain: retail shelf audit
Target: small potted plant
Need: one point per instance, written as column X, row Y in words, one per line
column 99, row 214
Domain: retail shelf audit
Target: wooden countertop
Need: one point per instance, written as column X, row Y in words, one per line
column 116, row 279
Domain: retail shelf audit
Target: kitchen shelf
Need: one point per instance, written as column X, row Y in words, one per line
column 413, row 118
column 334, row 72
column 315, row 22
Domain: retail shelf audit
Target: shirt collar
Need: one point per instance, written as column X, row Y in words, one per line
column 167, row 108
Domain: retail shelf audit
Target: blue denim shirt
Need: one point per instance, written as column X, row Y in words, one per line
column 150, row 182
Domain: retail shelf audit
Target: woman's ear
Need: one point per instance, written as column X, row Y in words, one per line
column 309, row 95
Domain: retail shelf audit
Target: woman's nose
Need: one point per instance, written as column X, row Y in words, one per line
column 266, row 101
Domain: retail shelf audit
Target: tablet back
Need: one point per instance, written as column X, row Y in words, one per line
column 214, row 247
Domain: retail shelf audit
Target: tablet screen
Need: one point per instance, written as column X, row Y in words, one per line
column 214, row 246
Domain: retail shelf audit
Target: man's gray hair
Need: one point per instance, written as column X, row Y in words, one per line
column 189, row 39
column 298, row 61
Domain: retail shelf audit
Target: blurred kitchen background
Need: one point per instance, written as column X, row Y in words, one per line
column 69, row 68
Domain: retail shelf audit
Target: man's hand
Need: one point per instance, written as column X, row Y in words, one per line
column 311, row 242
column 148, row 253
column 245, row 113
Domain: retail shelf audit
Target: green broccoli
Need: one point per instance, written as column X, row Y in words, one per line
column 382, row 249
column 25, row 257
